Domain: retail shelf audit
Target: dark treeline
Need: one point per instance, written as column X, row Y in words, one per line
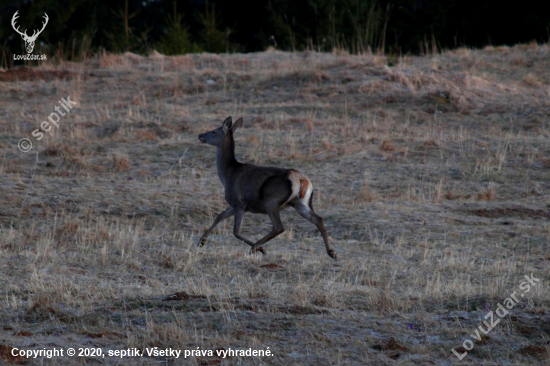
column 79, row 27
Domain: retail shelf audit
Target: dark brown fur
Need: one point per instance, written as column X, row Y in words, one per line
column 258, row 189
column 304, row 185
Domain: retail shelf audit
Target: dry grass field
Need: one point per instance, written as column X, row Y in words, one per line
column 432, row 174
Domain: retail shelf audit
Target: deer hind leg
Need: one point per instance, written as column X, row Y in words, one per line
column 309, row 214
column 224, row 215
column 239, row 213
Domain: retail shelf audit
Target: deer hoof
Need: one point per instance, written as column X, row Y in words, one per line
column 332, row 254
column 201, row 242
column 255, row 250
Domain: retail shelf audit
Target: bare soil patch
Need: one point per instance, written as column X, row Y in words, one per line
column 520, row 212
column 24, row 73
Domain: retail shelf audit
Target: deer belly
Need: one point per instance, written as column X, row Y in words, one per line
column 255, row 208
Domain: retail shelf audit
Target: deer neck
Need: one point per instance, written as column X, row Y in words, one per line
column 225, row 158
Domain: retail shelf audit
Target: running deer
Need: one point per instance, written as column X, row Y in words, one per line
column 258, row 189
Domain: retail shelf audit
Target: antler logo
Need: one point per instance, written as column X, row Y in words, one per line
column 29, row 41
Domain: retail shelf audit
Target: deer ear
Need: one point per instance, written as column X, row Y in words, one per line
column 227, row 124
column 238, row 124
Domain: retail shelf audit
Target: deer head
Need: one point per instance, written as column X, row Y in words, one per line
column 29, row 41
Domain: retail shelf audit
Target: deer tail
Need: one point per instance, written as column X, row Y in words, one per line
column 301, row 186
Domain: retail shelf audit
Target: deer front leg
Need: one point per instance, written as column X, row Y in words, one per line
column 224, row 215
column 278, row 228
column 239, row 213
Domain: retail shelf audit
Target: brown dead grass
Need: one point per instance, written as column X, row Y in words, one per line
column 432, row 177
